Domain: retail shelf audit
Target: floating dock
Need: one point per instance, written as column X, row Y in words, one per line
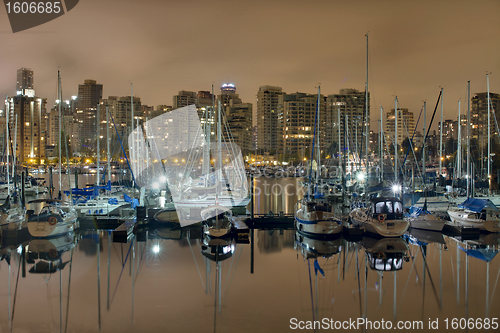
column 124, row 232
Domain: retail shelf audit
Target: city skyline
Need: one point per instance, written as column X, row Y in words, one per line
column 414, row 49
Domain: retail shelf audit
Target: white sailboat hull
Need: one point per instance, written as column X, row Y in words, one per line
column 387, row 228
column 470, row 220
column 427, row 222
column 317, row 223
column 45, row 229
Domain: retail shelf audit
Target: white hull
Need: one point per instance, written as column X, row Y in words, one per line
column 206, row 202
column 387, row 228
column 317, row 223
column 470, row 220
column 427, row 222
column 320, row 228
column 45, row 229
column 13, row 219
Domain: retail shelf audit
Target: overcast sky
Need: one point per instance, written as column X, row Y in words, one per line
column 165, row 46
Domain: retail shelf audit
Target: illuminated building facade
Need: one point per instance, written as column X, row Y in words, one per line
column 351, row 104
column 270, row 120
column 31, row 127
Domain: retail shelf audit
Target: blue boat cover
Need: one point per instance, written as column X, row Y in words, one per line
column 133, row 202
column 481, row 254
column 477, row 205
column 417, row 211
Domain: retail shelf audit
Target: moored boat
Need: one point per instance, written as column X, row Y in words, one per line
column 422, row 219
column 315, row 218
column 476, row 213
column 53, row 219
column 383, row 217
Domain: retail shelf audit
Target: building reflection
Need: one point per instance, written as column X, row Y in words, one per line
column 275, row 240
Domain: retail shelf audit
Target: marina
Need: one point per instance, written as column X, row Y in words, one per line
column 279, row 167
column 265, row 266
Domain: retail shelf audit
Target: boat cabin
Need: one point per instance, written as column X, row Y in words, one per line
column 318, row 206
column 391, row 208
column 385, row 262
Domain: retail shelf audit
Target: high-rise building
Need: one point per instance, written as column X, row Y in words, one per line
column 120, row 110
column 24, row 80
column 184, row 98
column 406, row 125
column 31, row 127
column 450, row 129
column 160, row 109
column 299, row 114
column 238, row 116
column 269, row 118
column 53, row 122
column 89, row 94
column 351, row 104
column 479, row 117
column 204, row 98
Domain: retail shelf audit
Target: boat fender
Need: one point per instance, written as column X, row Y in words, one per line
column 52, row 220
column 52, row 253
column 381, row 218
column 381, row 255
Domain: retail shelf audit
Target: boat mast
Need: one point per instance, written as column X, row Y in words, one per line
column 98, row 145
column 132, row 154
column 381, row 153
column 441, row 138
column 59, row 94
column 107, row 145
column 14, row 151
column 367, row 119
column 459, row 149
column 396, row 141
column 340, row 146
column 489, row 131
column 319, row 150
column 468, row 139
column 424, row 173
column 219, row 143
column 8, row 141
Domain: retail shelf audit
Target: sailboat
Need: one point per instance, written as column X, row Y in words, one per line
column 89, row 201
column 175, row 151
column 476, row 213
column 315, row 216
column 421, row 218
column 55, row 217
column 12, row 215
column 383, row 217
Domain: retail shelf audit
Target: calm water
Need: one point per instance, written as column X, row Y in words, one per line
column 161, row 281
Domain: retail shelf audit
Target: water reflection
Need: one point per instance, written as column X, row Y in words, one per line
column 386, row 254
column 173, row 279
column 45, row 255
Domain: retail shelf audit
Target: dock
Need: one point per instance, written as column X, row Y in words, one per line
column 240, row 230
column 271, row 221
column 450, row 229
column 124, row 232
